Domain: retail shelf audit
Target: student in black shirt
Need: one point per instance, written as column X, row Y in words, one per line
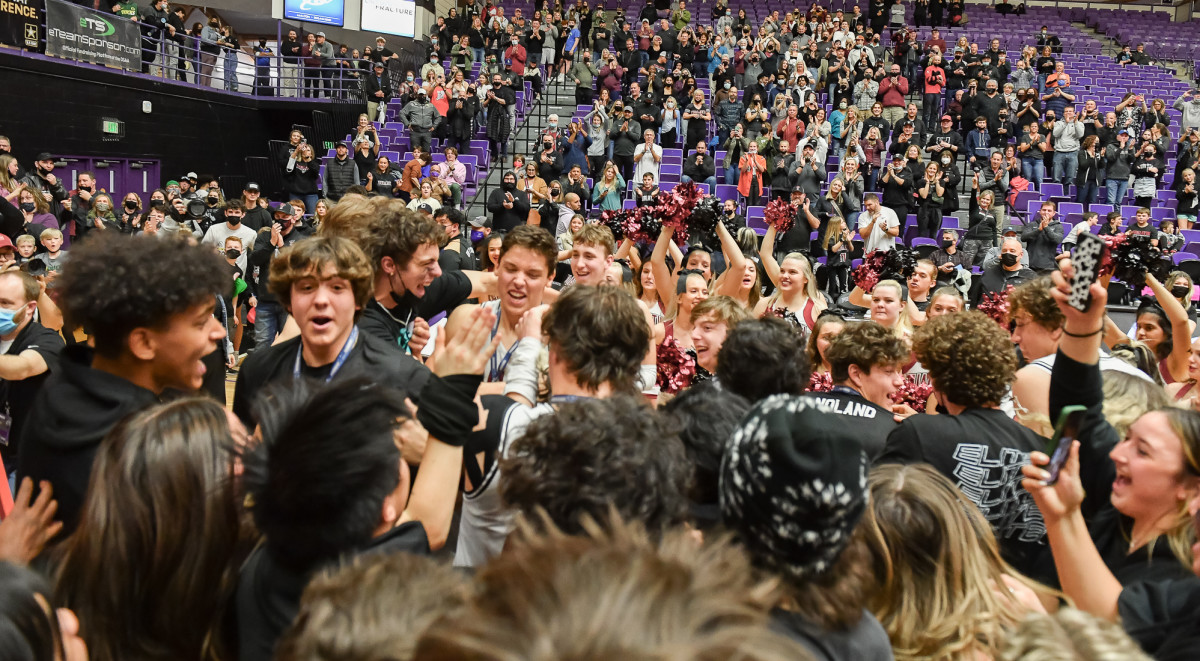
column 356, row 491
column 971, row 362
column 146, row 340
column 1119, row 512
column 457, row 254
column 867, row 367
column 324, row 283
column 28, row 355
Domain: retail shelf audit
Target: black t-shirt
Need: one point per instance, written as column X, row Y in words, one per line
column 446, row 292
column 982, row 452
column 1163, row 617
column 865, row 641
column 16, row 397
column 371, row 357
column 462, row 259
column 379, row 54
column 384, row 182
column 875, row 421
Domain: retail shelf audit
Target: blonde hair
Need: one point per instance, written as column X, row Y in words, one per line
column 613, row 595
column 50, row 233
column 935, row 561
column 1069, row 635
column 904, row 326
column 810, row 284
column 25, row 238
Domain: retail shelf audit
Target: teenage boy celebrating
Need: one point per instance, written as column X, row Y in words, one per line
column 146, row 340
column 324, row 283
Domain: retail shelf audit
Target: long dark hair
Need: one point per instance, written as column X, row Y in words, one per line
column 152, row 566
column 28, row 625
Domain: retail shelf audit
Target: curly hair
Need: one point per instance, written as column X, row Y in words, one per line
column 600, row 333
column 866, row 344
column 309, row 257
column 763, row 357
column 115, row 283
column 970, row 358
column 706, row 415
column 595, row 454
column 382, row 227
column 1034, row 299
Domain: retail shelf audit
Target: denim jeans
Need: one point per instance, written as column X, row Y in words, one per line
column 478, row 53
column 1066, row 164
column 1033, row 169
column 731, row 175
column 268, row 322
column 231, row 62
column 931, row 109
column 1088, row 194
column 711, row 182
column 1116, row 190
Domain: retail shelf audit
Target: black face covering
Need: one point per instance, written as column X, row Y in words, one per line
column 946, row 243
column 131, row 205
column 233, row 253
column 1179, row 291
column 232, row 219
column 1009, row 259
column 509, row 186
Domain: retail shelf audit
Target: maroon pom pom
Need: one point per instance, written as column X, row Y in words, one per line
column 820, row 382
column 915, row 395
column 780, row 215
column 676, row 369
column 866, row 275
column 995, row 305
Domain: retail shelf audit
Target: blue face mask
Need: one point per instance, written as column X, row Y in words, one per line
column 476, row 236
column 7, row 323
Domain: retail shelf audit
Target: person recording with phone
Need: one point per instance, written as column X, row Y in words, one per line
column 1120, row 550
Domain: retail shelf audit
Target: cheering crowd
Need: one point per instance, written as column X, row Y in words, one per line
column 571, row 429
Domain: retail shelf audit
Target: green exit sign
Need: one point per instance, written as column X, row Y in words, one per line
column 111, row 126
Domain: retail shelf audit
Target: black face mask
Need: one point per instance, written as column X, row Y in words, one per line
column 1009, row 259
column 946, row 243
column 213, row 200
column 28, row 207
column 232, row 219
column 154, row 204
column 233, row 253
column 509, row 186
column 1180, row 291
column 131, row 205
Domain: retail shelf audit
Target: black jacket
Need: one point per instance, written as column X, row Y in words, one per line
column 264, row 252
column 70, row 416
column 504, row 219
column 373, row 84
column 370, row 357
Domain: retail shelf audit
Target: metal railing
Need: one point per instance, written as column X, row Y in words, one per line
column 252, row 69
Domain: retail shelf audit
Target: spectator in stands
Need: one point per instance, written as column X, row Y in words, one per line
column 751, row 167
column 1032, row 148
column 1141, row 57
column 1189, row 202
column 1147, row 171
column 341, row 173
column 1042, row 238
column 699, row 167
column 878, row 225
column 508, row 206
column 1008, row 271
column 648, row 157
column 531, row 185
column 377, row 87
column 422, row 118
column 1119, row 158
column 1067, row 135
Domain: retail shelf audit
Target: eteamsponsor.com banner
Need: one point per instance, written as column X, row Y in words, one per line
column 90, row 36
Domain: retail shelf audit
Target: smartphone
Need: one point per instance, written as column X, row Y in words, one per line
column 1065, row 432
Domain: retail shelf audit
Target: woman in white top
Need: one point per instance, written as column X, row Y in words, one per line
column 648, row 157
column 425, row 198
